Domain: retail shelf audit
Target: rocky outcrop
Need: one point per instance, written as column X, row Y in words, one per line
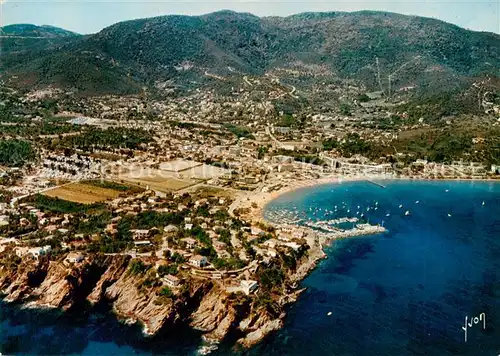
column 257, row 326
column 17, row 284
column 134, row 304
column 53, row 283
column 215, row 315
column 203, row 304
column 116, row 266
column 56, row 288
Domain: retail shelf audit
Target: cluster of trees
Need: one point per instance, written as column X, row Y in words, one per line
column 29, row 130
column 231, row 263
column 271, row 278
column 108, row 185
column 288, row 120
column 239, row 131
column 170, row 269
column 15, row 153
column 438, row 146
column 434, row 107
column 303, row 157
column 57, row 205
column 107, row 244
column 92, row 223
column 225, row 236
column 5, row 195
column 354, row 144
column 115, row 138
column 15, row 228
column 166, row 292
column 138, row 267
column 261, row 151
column 330, row 144
column 149, row 219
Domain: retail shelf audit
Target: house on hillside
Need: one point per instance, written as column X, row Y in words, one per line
column 249, row 286
column 141, row 234
column 74, row 257
column 198, row 261
column 171, row 281
column 40, row 251
column 190, row 242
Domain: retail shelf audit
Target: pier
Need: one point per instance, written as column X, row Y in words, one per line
column 375, row 183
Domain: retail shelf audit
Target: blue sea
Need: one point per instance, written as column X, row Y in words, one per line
column 406, row 292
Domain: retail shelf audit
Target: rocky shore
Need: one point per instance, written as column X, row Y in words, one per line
column 204, row 305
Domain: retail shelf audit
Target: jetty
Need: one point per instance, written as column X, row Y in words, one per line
column 375, row 183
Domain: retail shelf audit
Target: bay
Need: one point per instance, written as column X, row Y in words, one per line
column 406, row 292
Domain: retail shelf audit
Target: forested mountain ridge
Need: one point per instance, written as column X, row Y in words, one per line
column 130, row 55
column 22, row 38
column 29, row 30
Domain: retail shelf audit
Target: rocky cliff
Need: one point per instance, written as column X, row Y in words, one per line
column 203, row 304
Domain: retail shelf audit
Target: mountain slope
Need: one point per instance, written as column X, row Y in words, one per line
column 20, row 38
column 28, row 30
column 132, row 54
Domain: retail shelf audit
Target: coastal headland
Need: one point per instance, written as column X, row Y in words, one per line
column 207, row 300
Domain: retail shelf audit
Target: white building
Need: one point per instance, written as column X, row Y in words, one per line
column 190, row 242
column 171, row 281
column 170, row 229
column 39, row 251
column 4, row 220
column 198, row 261
column 74, row 257
column 21, row 251
column 249, row 286
column 141, row 234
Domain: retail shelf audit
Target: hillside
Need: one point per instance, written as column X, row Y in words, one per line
column 129, row 55
column 20, row 38
column 28, row 30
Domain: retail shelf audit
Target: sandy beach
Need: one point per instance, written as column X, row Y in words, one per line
column 257, row 202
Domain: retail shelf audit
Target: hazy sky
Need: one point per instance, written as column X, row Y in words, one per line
column 89, row 16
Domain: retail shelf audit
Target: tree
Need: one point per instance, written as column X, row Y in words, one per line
column 270, row 277
column 345, row 109
column 225, row 236
column 330, row 144
column 15, row 152
column 363, row 98
column 137, row 267
column 166, row 292
column 177, row 258
column 261, row 151
column 170, row 269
